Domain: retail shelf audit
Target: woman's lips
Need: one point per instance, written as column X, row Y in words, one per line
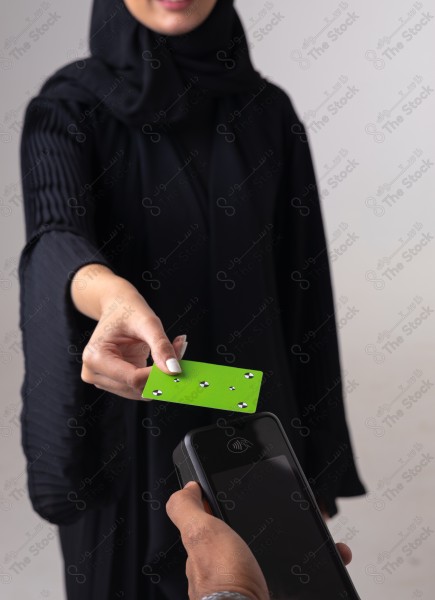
column 175, row 4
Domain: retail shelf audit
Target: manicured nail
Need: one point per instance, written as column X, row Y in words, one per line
column 173, row 365
column 183, row 350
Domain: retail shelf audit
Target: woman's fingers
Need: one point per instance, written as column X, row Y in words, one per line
column 180, row 348
column 107, row 362
column 115, row 387
column 107, row 387
column 112, row 373
column 125, row 382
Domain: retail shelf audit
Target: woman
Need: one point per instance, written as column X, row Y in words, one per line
column 168, row 191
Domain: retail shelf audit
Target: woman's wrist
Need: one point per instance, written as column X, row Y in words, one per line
column 114, row 292
column 95, row 290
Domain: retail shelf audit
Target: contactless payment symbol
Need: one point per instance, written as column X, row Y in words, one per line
column 206, row 385
column 238, row 444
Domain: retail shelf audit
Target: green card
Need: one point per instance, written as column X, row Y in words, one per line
column 206, row 385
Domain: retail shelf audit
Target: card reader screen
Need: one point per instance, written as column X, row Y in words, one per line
column 266, row 505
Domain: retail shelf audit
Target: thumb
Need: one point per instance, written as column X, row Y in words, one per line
column 185, row 504
column 194, row 485
column 162, row 351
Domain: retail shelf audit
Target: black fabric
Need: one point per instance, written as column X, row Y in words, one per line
column 213, row 214
column 149, row 79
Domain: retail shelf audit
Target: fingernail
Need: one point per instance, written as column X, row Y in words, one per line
column 182, row 338
column 183, row 350
column 189, row 483
column 173, row 365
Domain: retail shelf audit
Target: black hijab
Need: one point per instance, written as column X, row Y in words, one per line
column 148, row 79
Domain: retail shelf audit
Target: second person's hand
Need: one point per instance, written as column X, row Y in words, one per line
column 218, row 558
column 127, row 332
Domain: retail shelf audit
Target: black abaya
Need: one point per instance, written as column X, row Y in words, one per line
column 216, row 220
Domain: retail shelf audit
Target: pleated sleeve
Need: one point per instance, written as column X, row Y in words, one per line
column 62, row 450
column 308, row 310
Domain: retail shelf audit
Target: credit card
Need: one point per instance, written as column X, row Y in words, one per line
column 206, row 385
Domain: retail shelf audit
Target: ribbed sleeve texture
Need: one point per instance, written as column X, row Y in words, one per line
column 56, row 169
column 60, row 239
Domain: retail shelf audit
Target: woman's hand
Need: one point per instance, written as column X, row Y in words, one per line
column 128, row 331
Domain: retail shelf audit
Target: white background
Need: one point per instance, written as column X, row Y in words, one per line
column 379, row 54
